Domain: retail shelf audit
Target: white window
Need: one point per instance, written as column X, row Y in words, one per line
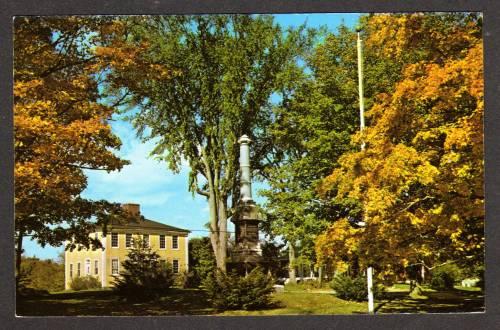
column 114, row 240
column 175, row 242
column 78, row 269
column 162, row 241
column 87, row 266
column 128, row 240
column 175, row 266
column 96, row 267
column 114, row 266
column 145, row 237
column 70, row 270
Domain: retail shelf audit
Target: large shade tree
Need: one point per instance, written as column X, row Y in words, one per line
column 224, row 70
column 61, row 129
column 420, row 179
column 312, row 129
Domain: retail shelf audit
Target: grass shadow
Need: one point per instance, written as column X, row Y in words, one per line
column 106, row 302
column 451, row 301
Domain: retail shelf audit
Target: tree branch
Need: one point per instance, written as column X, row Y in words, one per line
column 202, row 192
column 90, row 168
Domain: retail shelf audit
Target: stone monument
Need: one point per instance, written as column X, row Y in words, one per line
column 246, row 252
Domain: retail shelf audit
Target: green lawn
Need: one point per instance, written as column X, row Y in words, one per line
column 195, row 302
column 307, row 303
column 459, row 299
column 106, row 302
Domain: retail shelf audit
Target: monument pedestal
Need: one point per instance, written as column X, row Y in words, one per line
column 246, row 253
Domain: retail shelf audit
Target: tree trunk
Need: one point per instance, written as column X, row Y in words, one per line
column 217, row 204
column 218, row 229
column 291, row 263
column 222, row 219
column 19, row 252
column 422, row 273
column 320, row 275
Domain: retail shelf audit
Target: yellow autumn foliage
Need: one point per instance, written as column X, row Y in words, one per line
column 60, row 126
column 420, row 179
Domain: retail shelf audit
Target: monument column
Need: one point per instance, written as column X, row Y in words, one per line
column 245, row 176
column 246, row 218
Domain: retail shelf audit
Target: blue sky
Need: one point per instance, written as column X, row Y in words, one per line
column 162, row 194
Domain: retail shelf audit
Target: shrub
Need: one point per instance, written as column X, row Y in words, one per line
column 85, row 283
column 444, row 277
column 43, row 275
column 143, row 275
column 349, row 288
column 232, row 291
column 187, row 280
column 201, row 260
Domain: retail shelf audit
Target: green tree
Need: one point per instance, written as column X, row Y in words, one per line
column 143, row 274
column 224, row 68
column 312, row 128
column 42, row 274
column 420, row 178
column 201, row 258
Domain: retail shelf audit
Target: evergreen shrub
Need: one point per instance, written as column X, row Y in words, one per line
column 143, row 275
column 232, row 291
column 354, row 288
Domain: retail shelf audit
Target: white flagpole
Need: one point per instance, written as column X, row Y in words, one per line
column 369, row 270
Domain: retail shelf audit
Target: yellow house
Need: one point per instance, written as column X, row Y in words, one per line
column 169, row 242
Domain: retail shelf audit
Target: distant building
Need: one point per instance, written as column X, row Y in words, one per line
column 169, row 242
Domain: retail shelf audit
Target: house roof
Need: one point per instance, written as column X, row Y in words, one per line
column 144, row 224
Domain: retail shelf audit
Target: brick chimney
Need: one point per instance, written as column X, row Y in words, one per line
column 133, row 209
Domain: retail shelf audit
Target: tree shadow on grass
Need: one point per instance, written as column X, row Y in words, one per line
column 106, row 302
column 452, row 301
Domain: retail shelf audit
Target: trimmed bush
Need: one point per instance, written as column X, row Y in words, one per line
column 349, row 288
column 85, row 283
column 444, row 277
column 232, row 291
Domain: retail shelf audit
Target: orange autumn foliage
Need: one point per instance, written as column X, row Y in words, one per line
column 420, row 179
column 60, row 126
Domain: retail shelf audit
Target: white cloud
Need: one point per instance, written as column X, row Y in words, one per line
column 146, row 180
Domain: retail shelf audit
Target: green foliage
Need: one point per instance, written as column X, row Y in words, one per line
column 186, row 280
column 224, row 70
column 420, row 178
column 444, row 277
column 85, row 283
column 143, row 276
column 350, row 288
column 201, row 259
column 312, row 128
column 232, row 291
column 276, row 256
column 41, row 275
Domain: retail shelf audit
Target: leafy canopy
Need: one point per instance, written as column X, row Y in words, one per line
column 420, row 178
column 61, row 128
